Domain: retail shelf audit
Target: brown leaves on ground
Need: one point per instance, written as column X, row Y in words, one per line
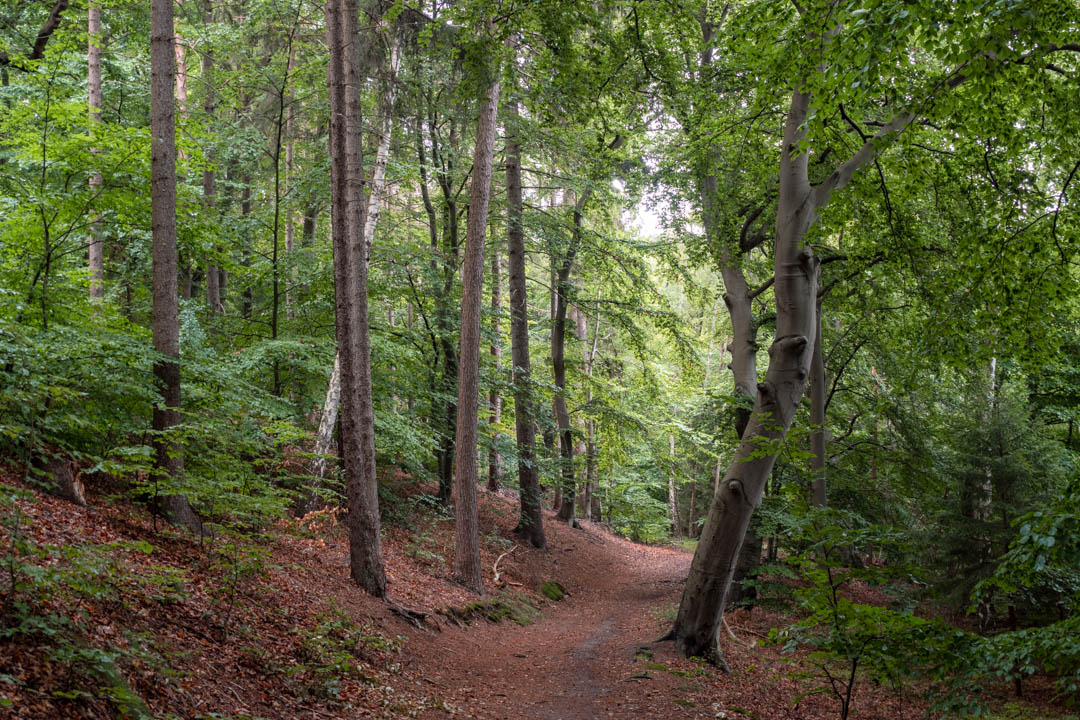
column 274, row 628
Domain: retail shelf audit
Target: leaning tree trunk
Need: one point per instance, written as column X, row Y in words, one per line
column 698, row 624
column 467, row 567
column 531, row 523
column 166, row 323
column 738, row 298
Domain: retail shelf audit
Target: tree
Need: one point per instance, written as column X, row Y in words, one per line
column 166, row 325
column 796, row 275
column 531, row 524
column 467, row 566
column 96, row 250
column 351, row 304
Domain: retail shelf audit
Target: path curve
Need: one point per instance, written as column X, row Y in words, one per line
column 582, row 660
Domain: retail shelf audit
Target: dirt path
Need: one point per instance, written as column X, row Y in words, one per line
column 582, row 660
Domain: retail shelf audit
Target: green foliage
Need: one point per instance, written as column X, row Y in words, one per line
column 337, row 648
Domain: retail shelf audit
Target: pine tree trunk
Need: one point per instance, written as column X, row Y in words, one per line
column 531, row 523
column 371, row 218
column 467, row 567
column 350, row 283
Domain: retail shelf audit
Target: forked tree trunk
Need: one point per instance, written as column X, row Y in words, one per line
column 698, row 624
column 467, row 567
column 350, row 284
column 531, row 523
column 795, row 270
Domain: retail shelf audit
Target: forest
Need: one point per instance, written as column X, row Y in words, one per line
column 540, row 358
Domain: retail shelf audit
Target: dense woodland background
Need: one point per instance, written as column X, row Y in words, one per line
column 659, row 266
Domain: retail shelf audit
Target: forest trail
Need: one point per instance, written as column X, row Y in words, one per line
column 584, row 659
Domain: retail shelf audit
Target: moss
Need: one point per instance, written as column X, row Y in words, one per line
column 553, row 590
column 493, row 609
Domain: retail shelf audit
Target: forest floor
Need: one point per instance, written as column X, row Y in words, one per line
column 118, row 618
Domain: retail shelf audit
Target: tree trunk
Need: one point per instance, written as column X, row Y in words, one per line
column 817, row 416
column 698, row 624
column 371, row 218
column 558, row 362
column 213, row 273
column 673, row 497
column 350, row 297
column 96, row 250
column 324, row 440
column 180, row 53
column 494, row 480
column 531, row 523
column 691, row 518
column 467, row 568
column 166, row 326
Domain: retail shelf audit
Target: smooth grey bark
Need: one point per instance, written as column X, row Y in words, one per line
column 698, row 624
column 169, row 460
column 467, row 567
column 494, row 479
column 96, row 250
column 345, row 82
column 796, row 270
column 531, row 522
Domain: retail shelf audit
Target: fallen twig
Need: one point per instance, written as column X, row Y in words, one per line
column 735, row 638
column 495, row 567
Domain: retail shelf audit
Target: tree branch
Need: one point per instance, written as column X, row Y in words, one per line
column 46, row 31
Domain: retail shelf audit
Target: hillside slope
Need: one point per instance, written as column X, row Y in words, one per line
column 114, row 617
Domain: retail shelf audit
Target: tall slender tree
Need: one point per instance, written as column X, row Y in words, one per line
column 350, row 291
column 531, row 523
column 93, row 85
column 467, row 567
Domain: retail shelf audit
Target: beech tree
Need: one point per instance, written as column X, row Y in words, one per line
column 796, row 268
